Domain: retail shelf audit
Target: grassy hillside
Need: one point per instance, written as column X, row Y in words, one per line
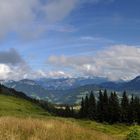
column 23, row 120
column 51, row 128
column 47, row 129
column 19, row 107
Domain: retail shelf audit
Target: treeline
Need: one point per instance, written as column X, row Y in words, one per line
column 110, row 108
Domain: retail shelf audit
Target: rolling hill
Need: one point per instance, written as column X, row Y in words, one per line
column 18, row 104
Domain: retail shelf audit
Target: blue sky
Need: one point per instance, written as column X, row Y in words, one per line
column 61, row 38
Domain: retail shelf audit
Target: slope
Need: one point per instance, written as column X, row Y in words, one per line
column 16, row 112
column 14, row 106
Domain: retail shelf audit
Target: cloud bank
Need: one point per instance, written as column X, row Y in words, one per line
column 13, row 66
column 117, row 62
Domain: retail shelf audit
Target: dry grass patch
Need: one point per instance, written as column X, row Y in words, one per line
column 12, row 128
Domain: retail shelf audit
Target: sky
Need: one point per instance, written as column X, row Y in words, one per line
column 69, row 38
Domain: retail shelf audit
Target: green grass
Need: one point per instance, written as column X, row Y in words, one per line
column 12, row 106
column 117, row 130
column 21, row 108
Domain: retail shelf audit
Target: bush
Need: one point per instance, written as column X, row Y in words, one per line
column 134, row 135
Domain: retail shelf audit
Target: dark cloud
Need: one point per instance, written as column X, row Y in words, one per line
column 10, row 57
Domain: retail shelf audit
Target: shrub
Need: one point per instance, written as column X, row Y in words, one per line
column 134, row 135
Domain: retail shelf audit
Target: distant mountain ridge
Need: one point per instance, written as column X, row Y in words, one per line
column 132, row 85
column 30, row 88
column 69, row 83
column 56, row 90
column 70, row 90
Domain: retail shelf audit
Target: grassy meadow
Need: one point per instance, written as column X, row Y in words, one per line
column 23, row 120
column 12, row 106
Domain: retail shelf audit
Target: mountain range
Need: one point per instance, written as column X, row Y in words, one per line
column 70, row 90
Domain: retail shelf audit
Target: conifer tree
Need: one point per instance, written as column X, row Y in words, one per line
column 100, row 116
column 132, row 114
column 82, row 109
column 114, row 108
column 67, row 111
column 137, row 109
column 86, row 108
column 92, row 106
column 105, row 106
column 124, row 108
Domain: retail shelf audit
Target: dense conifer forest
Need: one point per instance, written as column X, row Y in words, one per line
column 111, row 108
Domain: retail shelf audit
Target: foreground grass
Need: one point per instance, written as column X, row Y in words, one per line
column 23, row 120
column 12, row 106
column 118, row 131
column 12, row 128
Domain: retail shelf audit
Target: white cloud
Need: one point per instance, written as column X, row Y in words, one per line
column 4, row 70
column 58, row 74
column 117, row 62
column 23, row 16
column 14, row 14
column 12, row 65
column 30, row 17
column 58, row 9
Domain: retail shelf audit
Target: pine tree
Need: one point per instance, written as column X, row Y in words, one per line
column 124, row 108
column 82, row 109
column 72, row 112
column 137, row 109
column 0, row 88
column 114, row 108
column 92, row 106
column 100, row 116
column 132, row 115
column 86, row 108
column 105, row 106
column 67, row 111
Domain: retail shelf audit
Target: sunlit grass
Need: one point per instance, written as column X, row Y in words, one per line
column 12, row 106
column 23, row 120
column 12, row 128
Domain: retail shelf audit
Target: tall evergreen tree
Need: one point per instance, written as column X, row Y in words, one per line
column 137, row 109
column 82, row 109
column 132, row 114
column 105, row 106
column 114, row 108
column 100, row 116
column 67, row 112
column 124, row 108
column 92, row 106
column 86, row 108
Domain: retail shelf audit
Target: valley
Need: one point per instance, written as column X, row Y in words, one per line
column 71, row 90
